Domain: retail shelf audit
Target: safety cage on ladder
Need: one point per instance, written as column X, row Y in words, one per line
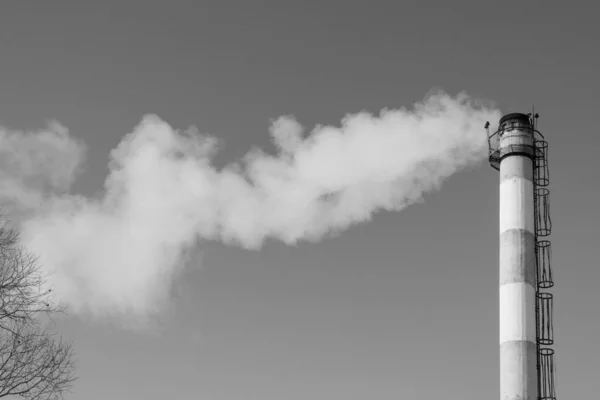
column 543, row 258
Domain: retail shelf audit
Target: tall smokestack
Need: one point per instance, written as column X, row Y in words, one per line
column 515, row 155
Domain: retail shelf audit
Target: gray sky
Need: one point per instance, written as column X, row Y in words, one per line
column 405, row 306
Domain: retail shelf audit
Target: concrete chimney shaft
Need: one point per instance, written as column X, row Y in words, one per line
column 518, row 374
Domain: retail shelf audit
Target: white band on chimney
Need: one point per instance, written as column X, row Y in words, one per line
column 517, row 312
column 516, row 204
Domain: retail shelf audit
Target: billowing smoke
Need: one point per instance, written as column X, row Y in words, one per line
column 118, row 255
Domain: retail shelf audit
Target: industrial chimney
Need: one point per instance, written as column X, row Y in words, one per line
column 519, row 152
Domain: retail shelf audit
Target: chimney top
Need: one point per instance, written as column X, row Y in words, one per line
column 516, row 117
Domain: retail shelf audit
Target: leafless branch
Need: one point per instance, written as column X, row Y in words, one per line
column 33, row 363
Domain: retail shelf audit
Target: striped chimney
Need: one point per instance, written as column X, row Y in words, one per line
column 518, row 373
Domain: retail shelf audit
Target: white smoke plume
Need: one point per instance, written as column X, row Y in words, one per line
column 117, row 256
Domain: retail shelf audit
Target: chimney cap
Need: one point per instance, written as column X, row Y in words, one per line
column 515, row 116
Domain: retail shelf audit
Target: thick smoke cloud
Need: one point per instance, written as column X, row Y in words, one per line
column 117, row 256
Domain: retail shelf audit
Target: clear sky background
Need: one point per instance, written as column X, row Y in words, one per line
column 403, row 307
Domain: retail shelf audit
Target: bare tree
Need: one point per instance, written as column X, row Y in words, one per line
column 34, row 364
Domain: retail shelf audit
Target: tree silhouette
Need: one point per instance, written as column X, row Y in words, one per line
column 34, row 364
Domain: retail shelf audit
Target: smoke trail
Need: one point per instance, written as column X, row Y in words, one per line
column 118, row 255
